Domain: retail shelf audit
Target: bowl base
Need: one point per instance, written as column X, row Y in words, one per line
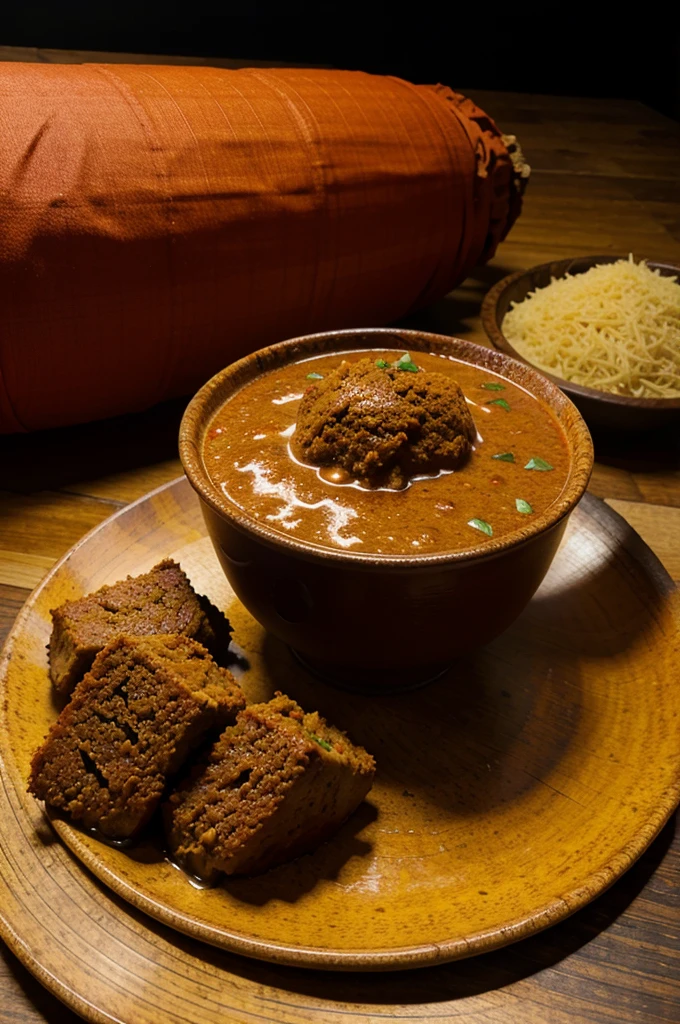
column 357, row 679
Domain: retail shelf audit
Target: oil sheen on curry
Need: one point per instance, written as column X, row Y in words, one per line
column 387, row 453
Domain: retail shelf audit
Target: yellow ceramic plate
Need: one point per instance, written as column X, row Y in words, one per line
column 509, row 793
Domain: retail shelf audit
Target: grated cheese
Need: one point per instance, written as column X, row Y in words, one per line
column 615, row 328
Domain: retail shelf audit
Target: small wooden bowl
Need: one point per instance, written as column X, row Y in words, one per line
column 600, row 409
column 340, row 610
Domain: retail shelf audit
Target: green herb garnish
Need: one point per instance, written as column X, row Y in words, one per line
column 322, row 743
column 504, row 457
column 491, row 386
column 500, row 401
column 523, row 506
column 539, row 464
column 314, row 376
column 406, row 363
column 480, row 524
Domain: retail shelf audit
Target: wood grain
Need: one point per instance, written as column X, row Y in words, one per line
column 12, row 599
column 23, row 568
column 658, row 488
column 47, row 523
column 130, row 484
column 604, row 178
column 45, row 55
column 658, row 526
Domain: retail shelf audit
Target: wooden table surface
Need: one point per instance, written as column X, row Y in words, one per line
column 604, row 179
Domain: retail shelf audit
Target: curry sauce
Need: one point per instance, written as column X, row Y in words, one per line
column 517, row 466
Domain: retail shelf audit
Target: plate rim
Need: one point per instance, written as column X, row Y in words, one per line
column 397, row 958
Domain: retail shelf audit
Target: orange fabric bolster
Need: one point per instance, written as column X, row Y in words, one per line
column 159, row 222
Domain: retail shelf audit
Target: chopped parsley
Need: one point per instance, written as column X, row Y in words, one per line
column 406, row 363
column 314, row 376
column 492, row 386
column 504, row 457
column 403, row 363
column 539, row 464
column 523, row 506
column 500, row 401
column 481, row 524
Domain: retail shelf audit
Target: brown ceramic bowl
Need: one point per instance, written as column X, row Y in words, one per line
column 602, row 411
column 376, row 621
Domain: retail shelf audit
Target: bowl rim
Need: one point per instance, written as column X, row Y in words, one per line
column 489, row 317
column 217, row 390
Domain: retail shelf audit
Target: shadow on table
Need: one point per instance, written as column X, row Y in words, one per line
column 646, row 451
column 449, row 315
column 291, row 881
column 53, row 459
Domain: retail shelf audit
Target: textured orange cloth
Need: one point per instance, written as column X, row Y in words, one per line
column 158, row 222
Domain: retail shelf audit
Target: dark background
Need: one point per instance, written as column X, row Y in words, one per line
column 577, row 49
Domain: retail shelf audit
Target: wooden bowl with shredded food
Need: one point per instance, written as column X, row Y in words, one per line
column 609, row 336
